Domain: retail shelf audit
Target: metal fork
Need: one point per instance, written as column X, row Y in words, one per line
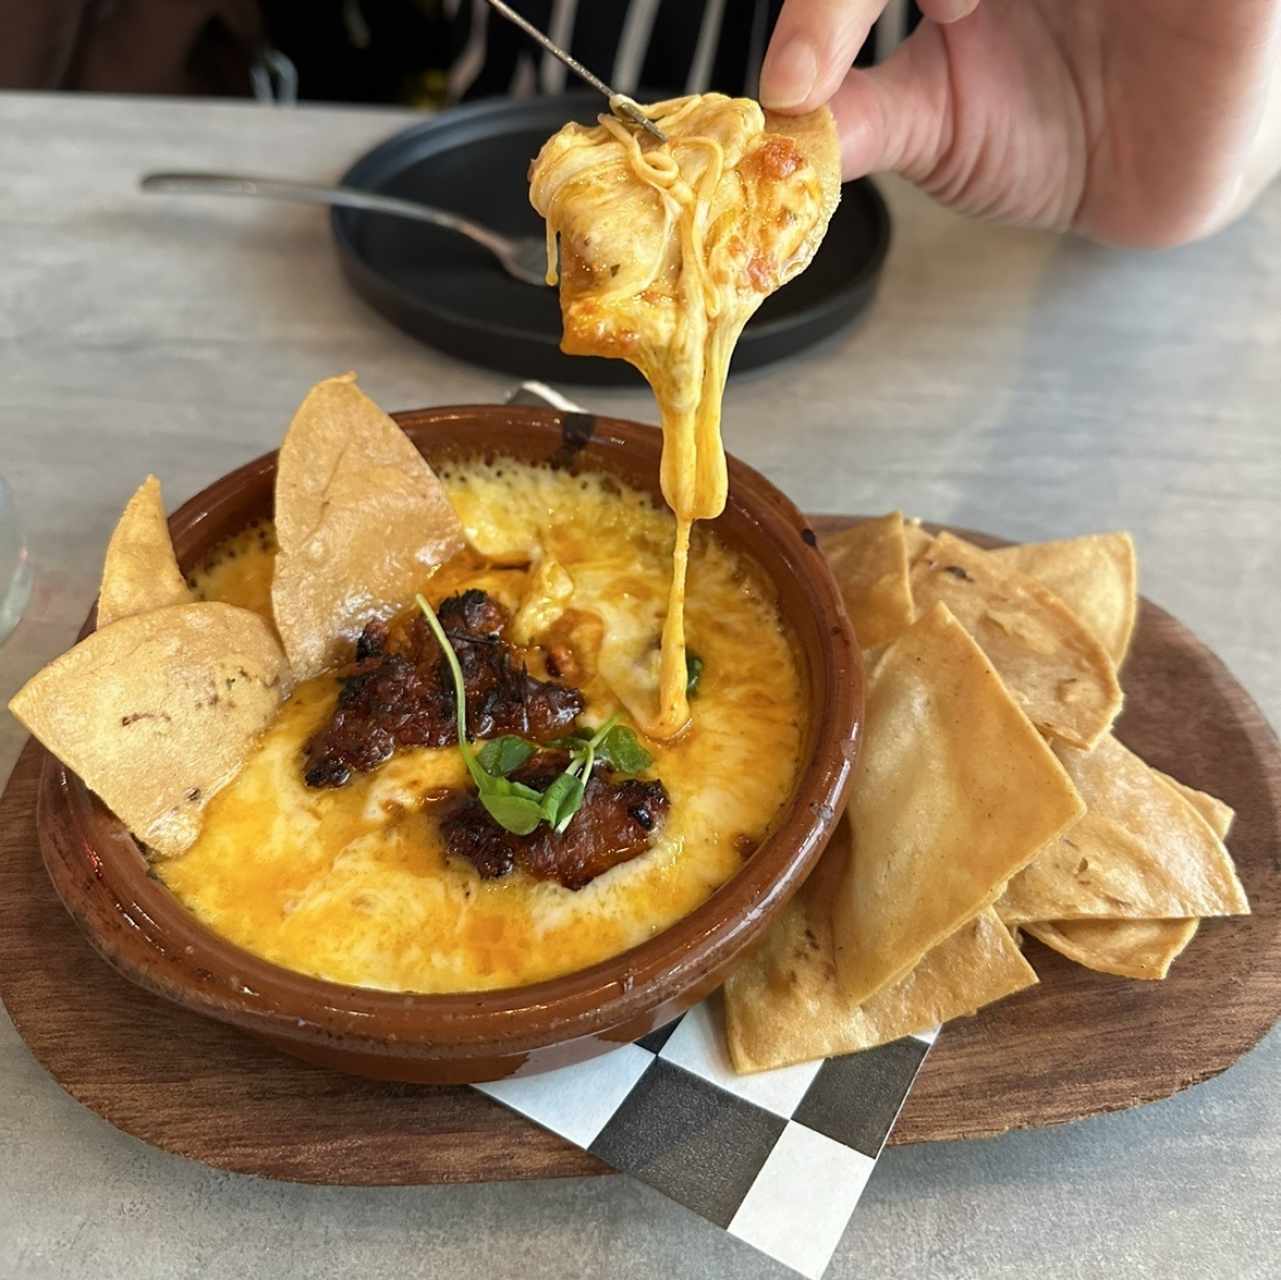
column 523, row 257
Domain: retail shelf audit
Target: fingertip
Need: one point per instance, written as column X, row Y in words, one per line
column 789, row 75
column 811, row 51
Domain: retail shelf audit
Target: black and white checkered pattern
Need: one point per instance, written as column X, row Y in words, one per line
column 778, row 1159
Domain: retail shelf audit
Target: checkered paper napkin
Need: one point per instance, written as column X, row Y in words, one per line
column 778, row 1159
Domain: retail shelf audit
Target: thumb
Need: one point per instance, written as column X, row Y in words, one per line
column 895, row 117
column 812, row 48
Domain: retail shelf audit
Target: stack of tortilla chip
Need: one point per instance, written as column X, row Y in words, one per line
column 991, row 798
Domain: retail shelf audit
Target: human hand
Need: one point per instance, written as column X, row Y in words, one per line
column 1142, row 122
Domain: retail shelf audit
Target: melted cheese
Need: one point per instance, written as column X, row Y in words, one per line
column 666, row 250
column 354, row 884
column 238, row 570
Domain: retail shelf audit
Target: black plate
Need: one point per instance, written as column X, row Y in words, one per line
column 454, row 295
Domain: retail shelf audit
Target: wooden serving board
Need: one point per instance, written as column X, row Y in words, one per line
column 1078, row 1044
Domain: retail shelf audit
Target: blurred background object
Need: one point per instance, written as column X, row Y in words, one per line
column 195, row 47
column 15, row 568
column 427, row 53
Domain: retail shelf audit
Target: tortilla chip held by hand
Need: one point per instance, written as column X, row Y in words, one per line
column 869, row 562
column 158, row 711
column 1096, row 576
column 1051, row 662
column 783, row 1003
column 817, row 140
column 956, row 792
column 140, row 571
column 361, row 520
column 1142, row 851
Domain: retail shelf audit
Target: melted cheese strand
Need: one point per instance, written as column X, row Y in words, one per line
column 676, row 319
column 673, row 671
column 693, row 473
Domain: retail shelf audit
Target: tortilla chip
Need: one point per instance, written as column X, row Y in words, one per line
column 1048, row 658
column 1095, row 576
column 141, row 571
column 816, row 138
column 1134, row 948
column 956, row 793
column 1141, row 851
column 869, row 563
column 1220, row 816
column 784, row 1005
column 158, row 711
column 1142, row 949
column 915, row 539
column 361, row 521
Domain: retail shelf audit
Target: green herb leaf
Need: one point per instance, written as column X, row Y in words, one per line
column 563, row 798
column 581, row 772
column 594, row 740
column 504, row 755
column 621, row 750
column 570, row 806
column 575, row 743
column 693, row 673
column 513, row 813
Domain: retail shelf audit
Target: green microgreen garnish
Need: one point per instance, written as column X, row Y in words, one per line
column 514, row 806
column 504, row 755
column 621, row 750
column 563, row 799
column 616, row 744
column 693, row 673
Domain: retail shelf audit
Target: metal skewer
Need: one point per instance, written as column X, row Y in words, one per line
column 619, row 104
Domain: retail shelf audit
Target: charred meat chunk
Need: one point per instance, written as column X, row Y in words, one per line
column 617, row 821
column 402, row 695
column 472, row 614
column 615, row 824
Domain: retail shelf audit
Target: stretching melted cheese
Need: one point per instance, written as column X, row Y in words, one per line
column 354, row 885
column 666, row 250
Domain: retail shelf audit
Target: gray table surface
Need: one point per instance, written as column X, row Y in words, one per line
column 1004, row 380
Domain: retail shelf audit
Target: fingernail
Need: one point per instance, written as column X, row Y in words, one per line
column 788, row 76
column 952, row 10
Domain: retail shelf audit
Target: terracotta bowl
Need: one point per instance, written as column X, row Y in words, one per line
column 141, row 929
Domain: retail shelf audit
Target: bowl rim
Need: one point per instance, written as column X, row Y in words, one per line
column 186, row 961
